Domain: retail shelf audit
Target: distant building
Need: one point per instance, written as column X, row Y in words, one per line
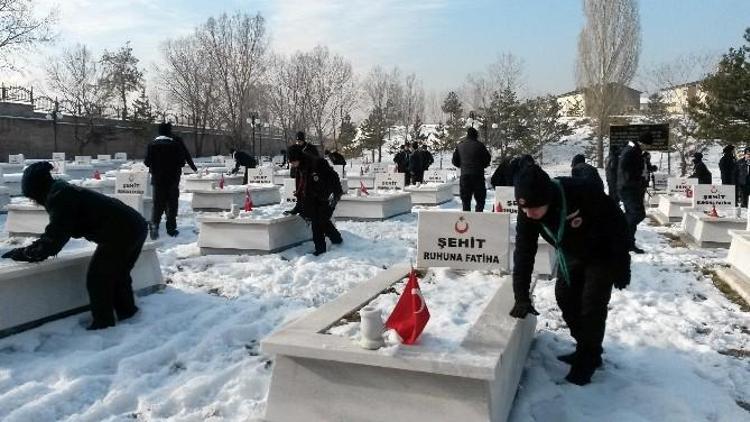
column 573, row 103
column 677, row 97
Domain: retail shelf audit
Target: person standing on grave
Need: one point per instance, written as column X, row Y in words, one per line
column 118, row 230
column 743, row 177
column 401, row 159
column 428, row 158
column 700, row 171
column 472, row 157
column 728, row 166
column 632, row 183
column 416, row 164
column 318, row 191
column 610, row 173
column 581, row 170
column 165, row 157
column 590, row 235
column 242, row 159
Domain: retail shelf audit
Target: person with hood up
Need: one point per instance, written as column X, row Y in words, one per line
column 590, row 236
column 700, row 171
column 318, row 191
column 581, row 170
column 165, row 157
column 242, row 159
column 472, row 157
column 118, row 230
column 632, row 183
column 728, row 166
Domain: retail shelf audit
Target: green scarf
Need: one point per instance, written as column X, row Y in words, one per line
column 562, row 262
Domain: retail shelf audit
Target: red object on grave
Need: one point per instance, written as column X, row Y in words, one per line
column 97, row 175
column 410, row 315
column 248, row 201
column 713, row 212
column 362, row 188
column 221, row 181
column 499, row 207
column 689, row 192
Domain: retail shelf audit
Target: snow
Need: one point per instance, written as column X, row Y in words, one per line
column 676, row 348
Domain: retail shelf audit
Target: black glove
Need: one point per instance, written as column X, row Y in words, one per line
column 293, row 211
column 521, row 309
column 19, row 254
column 622, row 275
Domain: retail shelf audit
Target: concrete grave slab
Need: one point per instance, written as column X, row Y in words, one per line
column 26, row 219
column 4, row 199
column 78, row 171
column 430, row 193
column 355, row 180
column 204, row 182
column 220, row 234
column 670, row 209
column 374, row 207
column 33, row 294
column 738, row 275
column 222, row 199
column 710, row 232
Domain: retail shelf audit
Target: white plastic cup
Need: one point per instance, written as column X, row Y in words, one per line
column 371, row 328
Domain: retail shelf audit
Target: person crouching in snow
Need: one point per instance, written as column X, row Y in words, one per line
column 590, row 235
column 118, row 230
column 318, row 191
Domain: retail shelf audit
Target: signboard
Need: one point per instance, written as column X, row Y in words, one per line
column 379, row 168
column 678, row 185
column 58, row 156
column 436, row 176
column 619, row 136
column 103, row 158
column 16, row 159
column 290, row 187
column 660, row 181
column 134, row 183
column 505, row 200
column 390, row 180
column 260, row 175
column 706, row 197
column 83, row 160
column 463, row 240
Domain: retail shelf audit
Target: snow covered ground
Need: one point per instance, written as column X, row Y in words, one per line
column 676, row 348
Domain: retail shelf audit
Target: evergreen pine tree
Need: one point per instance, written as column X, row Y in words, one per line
column 656, row 112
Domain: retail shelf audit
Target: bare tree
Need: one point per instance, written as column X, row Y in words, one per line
column 413, row 103
column 608, row 51
column 121, row 75
column 21, row 29
column 385, row 95
column 506, row 72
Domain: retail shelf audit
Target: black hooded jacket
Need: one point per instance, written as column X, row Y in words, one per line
column 243, row 159
column 588, row 173
column 701, row 172
column 165, row 157
column 82, row 213
column 630, row 168
column 317, row 184
column 727, row 167
column 472, row 157
column 596, row 232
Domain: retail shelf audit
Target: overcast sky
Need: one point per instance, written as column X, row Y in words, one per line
column 442, row 41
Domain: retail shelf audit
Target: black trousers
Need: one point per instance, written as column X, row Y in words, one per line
column 742, row 192
column 323, row 227
column 473, row 185
column 584, row 308
column 108, row 281
column 612, row 188
column 635, row 210
column 166, row 200
column 417, row 177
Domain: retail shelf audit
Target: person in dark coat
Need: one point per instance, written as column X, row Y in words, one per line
column 610, row 173
column 307, row 148
column 318, row 191
column 242, row 159
column 500, row 175
column 336, row 158
column 590, row 234
column 165, row 157
column 728, row 166
column 700, row 171
column 472, row 157
column 581, row 170
column 632, row 184
column 118, row 230
column 416, row 164
column 742, row 176
column 428, row 158
column 401, row 159
column 649, row 168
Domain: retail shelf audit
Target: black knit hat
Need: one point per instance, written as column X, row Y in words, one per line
column 472, row 133
column 300, row 136
column 165, row 129
column 578, row 159
column 533, row 187
column 295, row 153
column 36, row 181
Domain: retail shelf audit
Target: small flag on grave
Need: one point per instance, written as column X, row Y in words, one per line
column 362, row 188
column 97, row 175
column 410, row 315
column 221, row 181
column 713, row 212
column 248, row 201
column 688, row 192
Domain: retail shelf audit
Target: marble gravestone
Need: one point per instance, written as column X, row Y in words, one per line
column 246, row 234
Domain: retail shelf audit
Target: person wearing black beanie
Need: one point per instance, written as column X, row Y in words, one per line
column 584, row 171
column 590, row 235
column 118, row 230
column 472, row 157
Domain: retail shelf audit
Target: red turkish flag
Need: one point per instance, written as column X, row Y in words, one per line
column 362, row 188
column 97, row 175
column 248, row 201
column 221, row 182
column 410, row 315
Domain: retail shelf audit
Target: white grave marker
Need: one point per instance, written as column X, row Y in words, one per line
column 505, row 200
column 83, row 160
column 356, row 170
column 678, row 185
column 379, row 168
column 436, row 176
column 660, row 181
column 463, row 240
column 218, row 159
column 58, row 167
column 58, row 156
column 104, row 158
column 706, row 197
column 260, row 175
column 16, row 159
column 121, row 156
column 131, row 183
column 390, row 180
column 290, row 186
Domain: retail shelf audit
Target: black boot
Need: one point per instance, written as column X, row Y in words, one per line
column 570, row 358
column 122, row 316
column 319, row 252
column 100, row 325
column 173, row 232
column 153, row 231
column 580, row 374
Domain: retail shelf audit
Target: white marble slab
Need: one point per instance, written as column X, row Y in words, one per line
column 670, row 209
column 246, row 235
column 430, row 194
column 222, row 199
column 710, row 232
column 738, row 275
column 80, row 171
column 355, row 180
column 374, row 207
column 202, row 182
column 26, row 219
column 105, row 185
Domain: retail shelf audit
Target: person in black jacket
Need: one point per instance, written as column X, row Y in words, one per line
column 306, row 147
column 165, row 157
column 118, row 230
column 428, row 158
column 318, row 191
column 401, row 159
column 700, row 171
column 610, row 173
column 728, row 166
column 590, row 234
column 742, row 176
column 472, row 157
column 500, row 175
column 336, row 158
column 581, row 170
column 242, row 159
column 632, row 184
column 416, row 164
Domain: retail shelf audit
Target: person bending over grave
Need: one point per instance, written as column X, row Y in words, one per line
column 472, row 157
column 581, row 170
column 336, row 158
column 632, row 184
column 318, row 191
column 242, row 159
column 700, row 171
column 118, row 230
column 590, row 235
column 165, row 157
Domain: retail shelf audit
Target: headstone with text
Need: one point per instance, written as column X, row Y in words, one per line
column 505, row 200
column 121, row 156
column 679, row 185
column 260, row 175
column 132, row 183
column 83, row 160
column 463, row 240
column 16, row 159
column 103, row 158
column 661, row 181
column 379, row 168
column 705, row 197
column 390, row 180
column 436, row 176
column 218, row 159
column 290, row 186
column 58, row 156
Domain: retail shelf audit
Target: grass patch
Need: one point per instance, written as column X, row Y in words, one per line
column 674, row 240
column 728, row 291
